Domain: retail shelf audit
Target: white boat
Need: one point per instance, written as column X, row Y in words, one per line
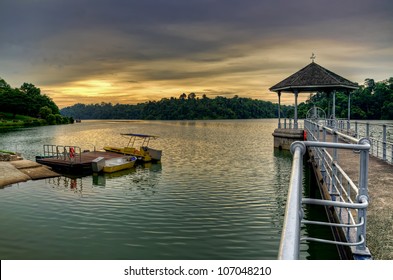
column 117, row 164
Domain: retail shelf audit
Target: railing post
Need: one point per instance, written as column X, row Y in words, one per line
column 356, row 129
column 367, row 130
column 348, row 126
column 384, row 142
column 279, row 109
column 290, row 236
column 295, row 119
column 392, row 154
column 323, row 169
column 334, row 168
column 363, row 193
column 285, row 123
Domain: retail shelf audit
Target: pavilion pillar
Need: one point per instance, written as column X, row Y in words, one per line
column 328, row 105
column 334, row 105
column 349, row 111
column 279, row 108
column 334, row 123
column 295, row 125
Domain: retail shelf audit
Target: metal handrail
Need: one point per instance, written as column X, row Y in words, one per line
column 362, row 205
column 362, row 240
column 377, row 142
column 354, row 225
column 337, row 181
column 63, row 152
column 290, row 238
column 333, row 176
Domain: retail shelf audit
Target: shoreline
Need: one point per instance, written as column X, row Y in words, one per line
column 22, row 170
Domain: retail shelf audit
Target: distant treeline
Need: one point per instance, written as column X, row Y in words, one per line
column 28, row 101
column 186, row 107
column 373, row 101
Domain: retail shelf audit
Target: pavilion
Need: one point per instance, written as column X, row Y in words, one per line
column 313, row 78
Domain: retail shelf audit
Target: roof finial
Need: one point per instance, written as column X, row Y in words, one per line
column 312, row 57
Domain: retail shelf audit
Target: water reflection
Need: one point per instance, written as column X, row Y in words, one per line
column 282, row 164
column 219, row 194
column 100, row 179
column 308, row 250
column 73, row 184
column 311, row 249
column 142, row 174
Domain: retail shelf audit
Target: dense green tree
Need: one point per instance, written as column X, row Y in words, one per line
column 51, row 119
column 371, row 101
column 192, row 95
column 59, row 119
column 26, row 100
column 387, row 111
column 30, row 89
column 12, row 101
column 4, row 85
column 45, row 111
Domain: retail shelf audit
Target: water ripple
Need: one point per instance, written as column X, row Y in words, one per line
column 214, row 196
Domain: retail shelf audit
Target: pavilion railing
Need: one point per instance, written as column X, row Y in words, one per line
column 289, row 123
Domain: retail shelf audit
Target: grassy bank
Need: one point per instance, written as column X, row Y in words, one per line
column 8, row 120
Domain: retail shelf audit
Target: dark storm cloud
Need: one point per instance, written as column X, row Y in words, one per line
column 55, row 42
column 30, row 20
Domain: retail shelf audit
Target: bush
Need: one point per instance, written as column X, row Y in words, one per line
column 51, row 119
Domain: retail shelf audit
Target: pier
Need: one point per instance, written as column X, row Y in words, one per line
column 352, row 167
column 379, row 174
column 71, row 159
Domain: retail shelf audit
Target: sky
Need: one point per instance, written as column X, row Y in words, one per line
column 131, row 51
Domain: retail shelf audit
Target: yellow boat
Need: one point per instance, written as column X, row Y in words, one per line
column 144, row 153
column 117, row 164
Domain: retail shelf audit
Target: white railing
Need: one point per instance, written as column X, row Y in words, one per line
column 66, row 153
column 377, row 133
column 349, row 200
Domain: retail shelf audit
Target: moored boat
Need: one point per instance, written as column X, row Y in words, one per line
column 144, row 153
column 118, row 164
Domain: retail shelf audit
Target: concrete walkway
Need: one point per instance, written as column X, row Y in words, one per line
column 380, row 211
column 17, row 171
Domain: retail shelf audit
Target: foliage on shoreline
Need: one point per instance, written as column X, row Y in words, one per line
column 32, row 107
column 8, row 120
column 6, row 152
column 186, row 107
column 372, row 101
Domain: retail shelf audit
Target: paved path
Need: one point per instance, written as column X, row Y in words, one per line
column 17, row 171
column 380, row 210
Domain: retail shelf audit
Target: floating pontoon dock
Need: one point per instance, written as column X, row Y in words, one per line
column 70, row 159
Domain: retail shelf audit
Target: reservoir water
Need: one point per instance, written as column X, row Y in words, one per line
column 218, row 193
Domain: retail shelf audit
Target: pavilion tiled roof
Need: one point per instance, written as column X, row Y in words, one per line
column 313, row 78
